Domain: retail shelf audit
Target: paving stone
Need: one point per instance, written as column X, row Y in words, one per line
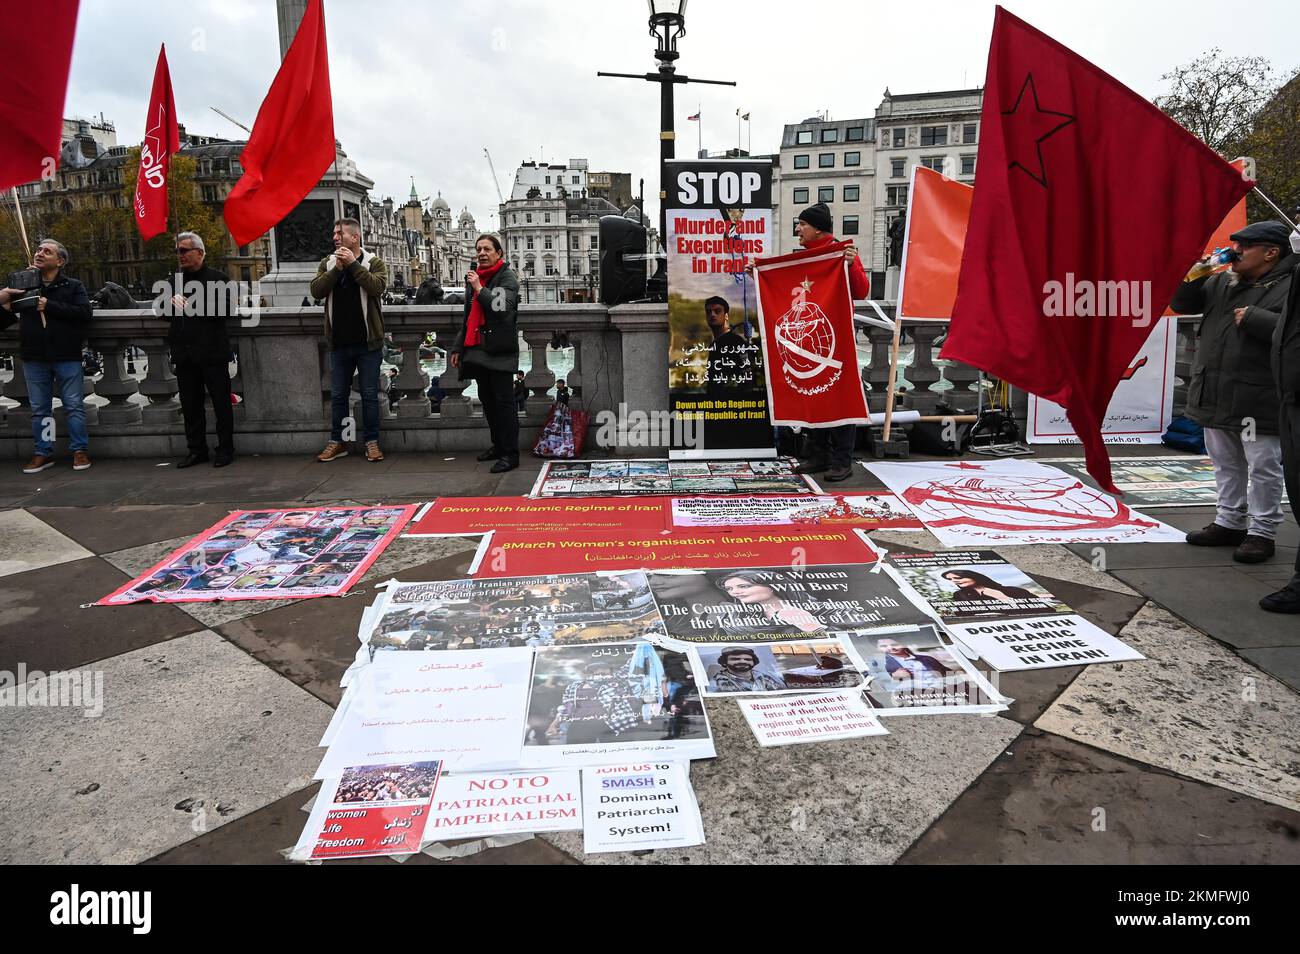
column 1222, row 603
column 46, row 621
column 1042, row 802
column 1192, row 707
column 107, row 529
column 859, row 801
column 1054, row 560
column 192, row 721
column 258, row 838
column 30, row 543
column 382, row 488
column 1281, row 662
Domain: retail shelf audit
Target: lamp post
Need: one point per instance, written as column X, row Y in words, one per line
column 667, row 26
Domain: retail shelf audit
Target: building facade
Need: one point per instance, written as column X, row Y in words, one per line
column 831, row 161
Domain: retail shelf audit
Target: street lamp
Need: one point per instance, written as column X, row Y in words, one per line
column 667, row 24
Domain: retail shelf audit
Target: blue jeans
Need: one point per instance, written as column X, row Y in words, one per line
column 42, row 376
column 365, row 364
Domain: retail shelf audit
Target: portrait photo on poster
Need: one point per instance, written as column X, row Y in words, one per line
column 919, row 672
column 775, row 668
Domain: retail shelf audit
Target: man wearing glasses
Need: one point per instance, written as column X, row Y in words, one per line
column 1232, row 394
column 200, row 349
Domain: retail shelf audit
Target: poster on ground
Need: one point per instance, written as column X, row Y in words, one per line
column 529, row 611
column 479, row 805
column 599, row 478
column 504, row 554
column 472, row 516
column 918, row 672
column 810, row 717
column 1155, row 481
column 763, row 669
column 1141, row 408
column 270, row 555
column 1001, row 502
column 718, row 218
column 1002, row 613
column 596, row 705
column 870, row 511
column 810, row 350
column 369, row 810
column 640, row 807
column 779, row 603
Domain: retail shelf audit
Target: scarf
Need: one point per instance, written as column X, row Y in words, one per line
column 474, row 324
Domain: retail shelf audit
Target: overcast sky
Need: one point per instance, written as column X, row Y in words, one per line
column 420, row 88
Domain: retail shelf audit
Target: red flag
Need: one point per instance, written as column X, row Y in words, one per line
column 161, row 141
column 937, row 213
column 1089, row 206
column 33, row 83
column 292, row 143
column 811, row 360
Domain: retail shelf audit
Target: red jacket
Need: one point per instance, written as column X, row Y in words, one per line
column 859, row 283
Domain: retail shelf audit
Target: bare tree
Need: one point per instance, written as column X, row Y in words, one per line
column 1216, row 97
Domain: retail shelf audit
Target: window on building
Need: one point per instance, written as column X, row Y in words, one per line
column 968, row 165
column 826, row 194
column 968, row 134
column 575, row 180
column 897, row 168
column 933, row 162
column 900, row 137
column 801, row 196
column 853, row 158
column 826, row 160
column 548, row 217
column 547, row 242
column 830, row 135
column 529, row 246
column 896, row 195
column 575, row 243
column 855, row 134
column 243, row 251
column 514, row 218
column 801, row 162
column 528, row 216
column 934, row 135
column 803, row 137
column 851, row 193
column 548, row 180
column 595, row 241
column 850, row 226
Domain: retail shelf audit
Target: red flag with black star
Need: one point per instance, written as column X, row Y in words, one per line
column 161, row 141
column 1090, row 205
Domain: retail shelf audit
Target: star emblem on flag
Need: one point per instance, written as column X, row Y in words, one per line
column 965, row 465
column 1025, row 126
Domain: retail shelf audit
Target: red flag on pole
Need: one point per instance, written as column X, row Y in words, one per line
column 161, row 141
column 1089, row 207
column 805, row 311
column 292, row 143
column 33, row 84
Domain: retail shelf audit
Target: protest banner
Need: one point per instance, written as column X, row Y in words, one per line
column 810, row 354
column 775, row 668
column 600, row 704
column 270, row 555
column 917, row 672
column 1155, row 481
column 766, row 604
column 596, row 478
column 974, row 593
column 369, row 810
column 472, row 516
column 463, row 710
column 811, row 717
column 504, row 554
column 1004, row 502
column 478, row 805
column 1141, row 408
column 639, row 808
column 556, row 609
column 872, row 511
column 718, row 217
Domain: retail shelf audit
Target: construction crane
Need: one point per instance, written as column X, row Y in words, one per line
column 232, row 119
column 500, row 198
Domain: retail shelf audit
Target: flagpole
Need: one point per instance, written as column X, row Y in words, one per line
column 1273, row 205
column 22, row 227
column 893, row 377
column 699, row 129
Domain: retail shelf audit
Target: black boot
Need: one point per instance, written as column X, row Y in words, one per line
column 490, row 454
column 191, row 459
column 505, row 464
column 1216, row 536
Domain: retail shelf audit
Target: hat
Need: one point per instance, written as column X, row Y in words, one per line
column 818, row 216
column 1264, row 233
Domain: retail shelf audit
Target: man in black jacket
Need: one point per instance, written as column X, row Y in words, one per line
column 200, row 347
column 52, row 331
column 1232, row 393
column 1286, row 372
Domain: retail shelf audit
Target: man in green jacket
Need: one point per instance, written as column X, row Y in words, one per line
column 352, row 283
column 1232, row 393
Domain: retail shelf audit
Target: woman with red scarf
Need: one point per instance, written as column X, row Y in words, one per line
column 487, row 348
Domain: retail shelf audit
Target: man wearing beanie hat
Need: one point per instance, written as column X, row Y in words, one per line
column 1232, row 393
column 832, row 447
column 1286, row 371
